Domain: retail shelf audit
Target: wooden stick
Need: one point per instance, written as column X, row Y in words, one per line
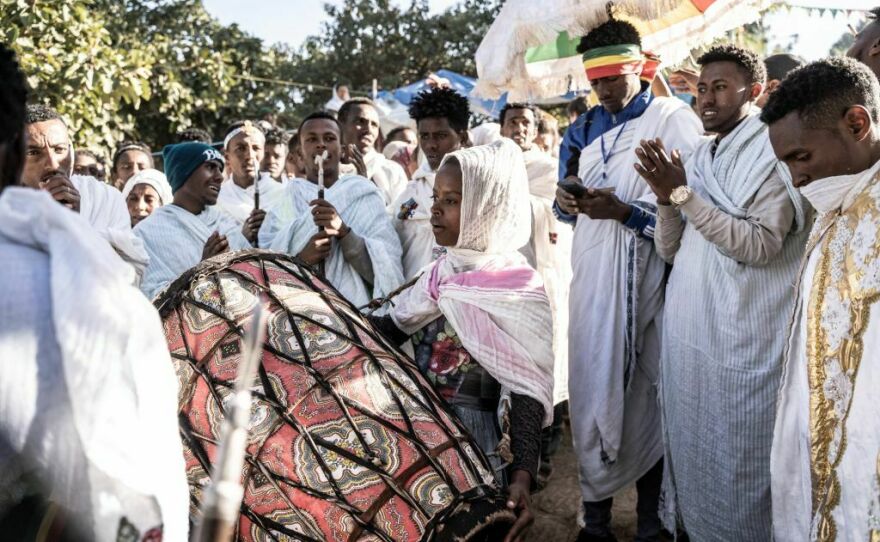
column 220, row 509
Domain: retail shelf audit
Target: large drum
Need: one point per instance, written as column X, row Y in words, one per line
column 347, row 440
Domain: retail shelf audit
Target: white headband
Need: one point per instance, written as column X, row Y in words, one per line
column 243, row 128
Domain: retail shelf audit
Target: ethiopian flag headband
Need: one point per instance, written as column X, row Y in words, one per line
column 613, row 60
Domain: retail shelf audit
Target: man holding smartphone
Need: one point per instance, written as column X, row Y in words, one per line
column 617, row 291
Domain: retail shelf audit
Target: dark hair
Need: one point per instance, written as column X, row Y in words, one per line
column 13, row 114
column 194, row 134
column 778, row 66
column 41, row 113
column 86, row 152
column 579, row 105
column 547, row 124
column 129, row 145
column 612, row 32
column 318, row 115
column 293, row 142
column 443, row 103
column 822, row 91
column 745, row 59
column 394, row 131
column 276, row 136
column 347, row 107
column 507, row 107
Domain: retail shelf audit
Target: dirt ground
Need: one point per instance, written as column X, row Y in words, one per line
column 556, row 507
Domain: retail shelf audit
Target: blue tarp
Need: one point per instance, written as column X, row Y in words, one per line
column 463, row 85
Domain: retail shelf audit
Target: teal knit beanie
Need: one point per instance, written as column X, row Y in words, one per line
column 182, row 159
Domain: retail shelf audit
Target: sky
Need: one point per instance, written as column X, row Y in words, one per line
column 290, row 21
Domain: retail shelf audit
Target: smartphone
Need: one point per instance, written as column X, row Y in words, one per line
column 578, row 190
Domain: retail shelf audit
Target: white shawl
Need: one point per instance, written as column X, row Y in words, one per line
column 495, row 302
column 362, row 208
column 175, row 238
column 238, row 203
column 104, row 208
column 88, row 394
column 411, row 214
column 550, row 254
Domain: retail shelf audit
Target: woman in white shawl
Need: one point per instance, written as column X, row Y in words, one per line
column 479, row 316
column 145, row 192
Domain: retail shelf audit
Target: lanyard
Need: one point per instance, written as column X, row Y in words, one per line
column 607, row 157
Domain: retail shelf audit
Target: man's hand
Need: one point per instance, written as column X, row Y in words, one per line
column 351, row 155
column 567, row 202
column 216, row 244
column 317, row 249
column 519, row 499
column 251, row 226
column 663, row 174
column 600, row 205
column 408, row 159
column 325, row 216
column 62, row 190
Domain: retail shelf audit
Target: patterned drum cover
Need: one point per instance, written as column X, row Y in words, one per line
column 347, row 440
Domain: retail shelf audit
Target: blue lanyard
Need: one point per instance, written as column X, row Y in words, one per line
column 607, row 157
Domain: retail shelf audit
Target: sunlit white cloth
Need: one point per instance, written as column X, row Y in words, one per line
column 290, row 226
column 175, row 238
column 411, row 215
column 88, row 393
column 238, row 203
column 105, row 210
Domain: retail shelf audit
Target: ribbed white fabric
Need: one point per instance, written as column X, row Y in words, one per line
column 550, row 255
column 416, row 235
column 104, row 208
column 616, row 302
column 722, row 351
column 88, row 394
column 238, row 203
column 290, row 226
column 175, row 238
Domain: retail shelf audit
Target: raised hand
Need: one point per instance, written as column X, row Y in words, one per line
column 251, row 226
column 216, row 244
column 663, row 173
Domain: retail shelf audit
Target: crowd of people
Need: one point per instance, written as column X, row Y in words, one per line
column 694, row 286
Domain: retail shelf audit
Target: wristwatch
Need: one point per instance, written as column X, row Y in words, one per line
column 680, row 195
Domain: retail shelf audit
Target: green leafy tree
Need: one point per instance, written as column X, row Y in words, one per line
column 377, row 39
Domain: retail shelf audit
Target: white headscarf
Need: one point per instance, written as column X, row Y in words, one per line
column 495, row 302
column 495, row 208
column 151, row 177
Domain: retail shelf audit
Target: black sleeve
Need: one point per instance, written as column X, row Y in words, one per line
column 573, row 163
column 526, row 417
column 385, row 325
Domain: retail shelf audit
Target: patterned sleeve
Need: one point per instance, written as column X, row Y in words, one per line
column 643, row 219
column 526, row 415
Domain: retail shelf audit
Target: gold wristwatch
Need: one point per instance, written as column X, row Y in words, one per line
column 680, row 195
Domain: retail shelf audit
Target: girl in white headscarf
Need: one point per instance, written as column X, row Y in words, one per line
column 144, row 192
column 479, row 316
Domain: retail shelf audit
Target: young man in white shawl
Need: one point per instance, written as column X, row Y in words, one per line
column 479, row 317
column 825, row 462
column 243, row 150
column 733, row 226
column 190, row 229
column 548, row 251
column 49, row 166
column 359, row 122
column 89, row 444
column 616, row 296
column 442, row 117
column 347, row 232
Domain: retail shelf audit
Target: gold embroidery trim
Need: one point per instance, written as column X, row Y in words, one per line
column 823, row 421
